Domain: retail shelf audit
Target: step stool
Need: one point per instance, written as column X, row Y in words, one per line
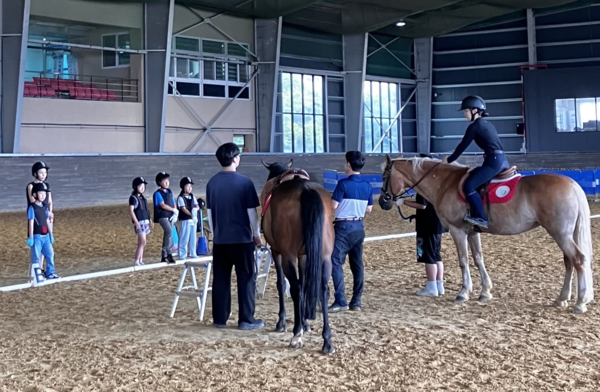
column 264, row 259
column 193, row 291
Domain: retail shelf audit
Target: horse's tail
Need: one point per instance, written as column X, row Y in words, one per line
column 313, row 219
column 583, row 235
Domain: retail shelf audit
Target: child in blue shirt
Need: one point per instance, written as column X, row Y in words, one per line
column 165, row 214
column 188, row 218
column 40, row 238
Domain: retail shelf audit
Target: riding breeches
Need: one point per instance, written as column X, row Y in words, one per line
column 493, row 164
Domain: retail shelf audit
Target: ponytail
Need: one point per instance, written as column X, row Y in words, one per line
column 483, row 113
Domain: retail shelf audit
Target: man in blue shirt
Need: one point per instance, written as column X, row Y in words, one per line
column 352, row 198
column 231, row 201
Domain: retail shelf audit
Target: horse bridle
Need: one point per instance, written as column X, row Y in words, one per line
column 387, row 196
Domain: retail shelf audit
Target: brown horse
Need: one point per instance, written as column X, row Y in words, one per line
column 297, row 224
column 557, row 203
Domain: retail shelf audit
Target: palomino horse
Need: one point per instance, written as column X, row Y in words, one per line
column 555, row 202
column 297, row 224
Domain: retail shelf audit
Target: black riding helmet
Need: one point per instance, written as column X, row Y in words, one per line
column 184, row 181
column 472, row 102
column 40, row 187
column 137, row 182
column 37, row 167
column 160, row 177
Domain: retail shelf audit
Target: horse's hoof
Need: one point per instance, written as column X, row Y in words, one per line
column 560, row 304
column 579, row 309
column 328, row 348
column 280, row 327
column 306, row 328
column 461, row 299
column 296, row 343
column 485, row 298
column 260, row 295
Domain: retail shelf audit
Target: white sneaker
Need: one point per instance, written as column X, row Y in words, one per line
column 430, row 290
column 440, row 287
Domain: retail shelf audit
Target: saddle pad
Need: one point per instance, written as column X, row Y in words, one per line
column 500, row 191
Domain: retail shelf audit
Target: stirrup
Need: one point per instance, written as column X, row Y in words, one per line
column 476, row 221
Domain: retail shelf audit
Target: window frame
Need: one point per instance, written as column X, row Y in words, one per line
column 574, row 115
column 117, row 60
column 379, row 118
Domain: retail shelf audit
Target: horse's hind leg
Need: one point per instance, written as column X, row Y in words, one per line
column 460, row 240
column 577, row 259
column 281, row 325
column 295, row 290
column 486, row 283
column 327, row 345
column 565, row 293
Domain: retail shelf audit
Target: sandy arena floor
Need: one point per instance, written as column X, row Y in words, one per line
column 114, row 334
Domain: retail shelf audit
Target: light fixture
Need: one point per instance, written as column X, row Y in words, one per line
column 401, row 23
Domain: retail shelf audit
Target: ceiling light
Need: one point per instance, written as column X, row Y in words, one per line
column 401, row 23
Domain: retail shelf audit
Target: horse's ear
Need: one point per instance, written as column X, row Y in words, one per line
column 265, row 164
column 290, row 164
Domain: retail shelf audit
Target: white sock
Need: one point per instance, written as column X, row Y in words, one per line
column 431, row 286
column 440, row 287
column 430, row 290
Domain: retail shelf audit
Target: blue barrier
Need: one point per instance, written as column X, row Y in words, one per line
column 588, row 179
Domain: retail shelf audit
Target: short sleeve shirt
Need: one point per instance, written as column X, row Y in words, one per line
column 159, row 199
column 427, row 221
column 229, row 195
column 353, row 195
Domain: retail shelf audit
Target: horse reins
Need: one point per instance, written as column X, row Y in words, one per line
column 390, row 196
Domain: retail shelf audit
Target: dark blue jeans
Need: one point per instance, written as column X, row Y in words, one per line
column 493, row 164
column 349, row 237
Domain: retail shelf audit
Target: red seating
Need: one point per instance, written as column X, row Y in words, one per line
column 56, row 87
column 111, row 95
column 80, row 93
column 95, row 94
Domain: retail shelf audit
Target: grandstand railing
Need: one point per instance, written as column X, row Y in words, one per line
column 81, row 87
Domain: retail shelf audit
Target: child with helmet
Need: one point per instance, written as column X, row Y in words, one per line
column 188, row 218
column 39, row 171
column 165, row 214
column 140, row 216
column 40, row 237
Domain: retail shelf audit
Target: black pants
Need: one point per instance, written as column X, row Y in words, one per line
column 349, row 238
column 225, row 256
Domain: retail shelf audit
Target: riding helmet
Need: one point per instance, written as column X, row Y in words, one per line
column 137, row 182
column 37, row 167
column 161, row 176
column 40, row 187
column 473, row 102
column 184, row 181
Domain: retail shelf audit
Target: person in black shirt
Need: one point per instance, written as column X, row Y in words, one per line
column 494, row 161
column 140, row 216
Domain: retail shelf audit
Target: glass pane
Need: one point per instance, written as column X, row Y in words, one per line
column 215, row 47
column 368, row 135
column 376, row 107
column 232, row 72
column 394, row 100
column 243, row 68
column 220, row 70
column 240, row 141
column 182, row 68
column 367, row 99
column 309, row 136
column 243, row 91
column 187, row 44
column 385, row 100
column 586, row 114
column 385, row 123
column 212, row 90
column 565, row 115
column 192, row 89
column 376, row 134
column 296, row 93
column 394, row 134
column 124, row 58
column 124, row 41
column 307, row 85
column 318, row 89
column 287, row 133
column 286, row 92
column 194, row 70
column 209, row 70
column 319, row 134
column 109, row 58
column 109, row 41
column 236, row 50
column 298, row 134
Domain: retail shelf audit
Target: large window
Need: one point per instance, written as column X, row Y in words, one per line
column 208, row 68
column 302, row 113
column 381, row 105
column 577, row 114
column 114, row 59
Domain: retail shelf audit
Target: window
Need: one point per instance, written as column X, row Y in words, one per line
column 577, row 114
column 113, row 59
column 302, row 113
column 209, row 68
column 240, row 140
column 380, row 108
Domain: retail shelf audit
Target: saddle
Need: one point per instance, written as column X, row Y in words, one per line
column 503, row 176
column 291, row 174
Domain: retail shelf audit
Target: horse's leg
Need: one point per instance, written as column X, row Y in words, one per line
column 301, row 274
column 565, row 293
column 289, row 267
column 281, row 325
column 326, row 274
column 477, row 254
column 460, row 240
column 577, row 259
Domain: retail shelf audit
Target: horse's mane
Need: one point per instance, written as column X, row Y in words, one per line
column 418, row 162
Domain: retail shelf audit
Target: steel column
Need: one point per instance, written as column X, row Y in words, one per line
column 531, row 39
column 355, row 65
column 423, row 68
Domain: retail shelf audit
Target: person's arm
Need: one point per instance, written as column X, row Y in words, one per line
column 133, row 217
column 413, row 204
column 49, row 204
column 210, row 222
column 30, row 218
column 29, row 194
column 181, row 204
column 159, row 201
column 254, row 223
column 464, row 144
column 370, row 202
column 338, row 196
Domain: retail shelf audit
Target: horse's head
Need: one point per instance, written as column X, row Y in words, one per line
column 276, row 169
column 393, row 183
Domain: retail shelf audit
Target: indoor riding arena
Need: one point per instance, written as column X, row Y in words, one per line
column 101, row 92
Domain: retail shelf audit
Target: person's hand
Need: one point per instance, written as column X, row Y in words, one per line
column 51, row 238
column 445, row 159
column 399, row 202
column 151, row 225
column 257, row 241
column 30, row 242
column 137, row 226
